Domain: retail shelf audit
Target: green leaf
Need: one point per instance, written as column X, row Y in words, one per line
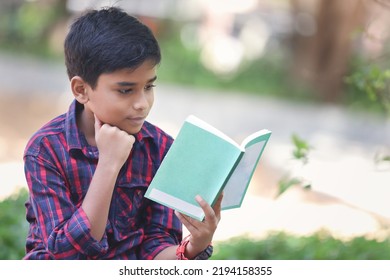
column 301, row 148
column 285, row 183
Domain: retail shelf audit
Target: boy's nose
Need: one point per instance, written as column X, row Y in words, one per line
column 141, row 102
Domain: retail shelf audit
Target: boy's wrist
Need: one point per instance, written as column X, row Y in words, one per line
column 109, row 163
column 186, row 251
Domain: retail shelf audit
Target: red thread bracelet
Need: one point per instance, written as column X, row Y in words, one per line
column 182, row 248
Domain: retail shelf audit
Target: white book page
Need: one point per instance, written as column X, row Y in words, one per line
column 176, row 203
column 208, row 127
column 238, row 183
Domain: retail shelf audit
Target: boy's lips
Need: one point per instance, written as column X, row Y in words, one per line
column 137, row 120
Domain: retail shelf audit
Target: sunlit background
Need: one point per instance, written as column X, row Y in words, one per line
column 315, row 72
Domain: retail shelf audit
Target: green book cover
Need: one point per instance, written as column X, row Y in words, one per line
column 202, row 161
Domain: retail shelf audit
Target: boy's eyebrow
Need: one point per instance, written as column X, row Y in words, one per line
column 133, row 84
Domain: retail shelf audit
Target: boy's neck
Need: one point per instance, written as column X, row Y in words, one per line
column 85, row 122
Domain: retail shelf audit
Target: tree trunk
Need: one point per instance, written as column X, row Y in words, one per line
column 321, row 60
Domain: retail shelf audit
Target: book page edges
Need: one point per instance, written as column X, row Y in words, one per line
column 170, row 201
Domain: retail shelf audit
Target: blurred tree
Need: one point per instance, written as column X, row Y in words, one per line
column 31, row 25
column 322, row 43
column 8, row 14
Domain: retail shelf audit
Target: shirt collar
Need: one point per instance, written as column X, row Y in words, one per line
column 74, row 137
column 144, row 133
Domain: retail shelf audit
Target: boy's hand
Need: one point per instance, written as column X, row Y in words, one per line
column 201, row 232
column 114, row 145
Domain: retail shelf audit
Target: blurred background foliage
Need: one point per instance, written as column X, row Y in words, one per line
column 322, row 51
column 313, row 51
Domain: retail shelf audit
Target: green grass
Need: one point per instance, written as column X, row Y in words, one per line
column 13, row 229
column 320, row 246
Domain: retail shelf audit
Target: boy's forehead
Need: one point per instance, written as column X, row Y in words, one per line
column 142, row 73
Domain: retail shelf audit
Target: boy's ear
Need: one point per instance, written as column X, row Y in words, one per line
column 79, row 89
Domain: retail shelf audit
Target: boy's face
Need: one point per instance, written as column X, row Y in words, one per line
column 125, row 97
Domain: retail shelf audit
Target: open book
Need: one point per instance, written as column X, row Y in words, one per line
column 204, row 161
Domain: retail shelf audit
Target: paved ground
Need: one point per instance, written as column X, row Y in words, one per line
column 350, row 192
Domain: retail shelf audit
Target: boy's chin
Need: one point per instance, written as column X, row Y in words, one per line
column 133, row 126
column 133, row 130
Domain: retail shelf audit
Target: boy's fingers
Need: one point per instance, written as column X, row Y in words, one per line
column 186, row 222
column 207, row 209
column 217, row 206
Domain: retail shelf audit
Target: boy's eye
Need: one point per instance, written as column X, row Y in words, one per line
column 130, row 90
column 150, row 87
column 125, row 91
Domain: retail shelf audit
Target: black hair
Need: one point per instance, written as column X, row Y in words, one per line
column 106, row 40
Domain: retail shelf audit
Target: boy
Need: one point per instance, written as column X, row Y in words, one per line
column 87, row 170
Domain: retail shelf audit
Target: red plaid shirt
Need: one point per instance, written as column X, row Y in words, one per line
column 59, row 165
